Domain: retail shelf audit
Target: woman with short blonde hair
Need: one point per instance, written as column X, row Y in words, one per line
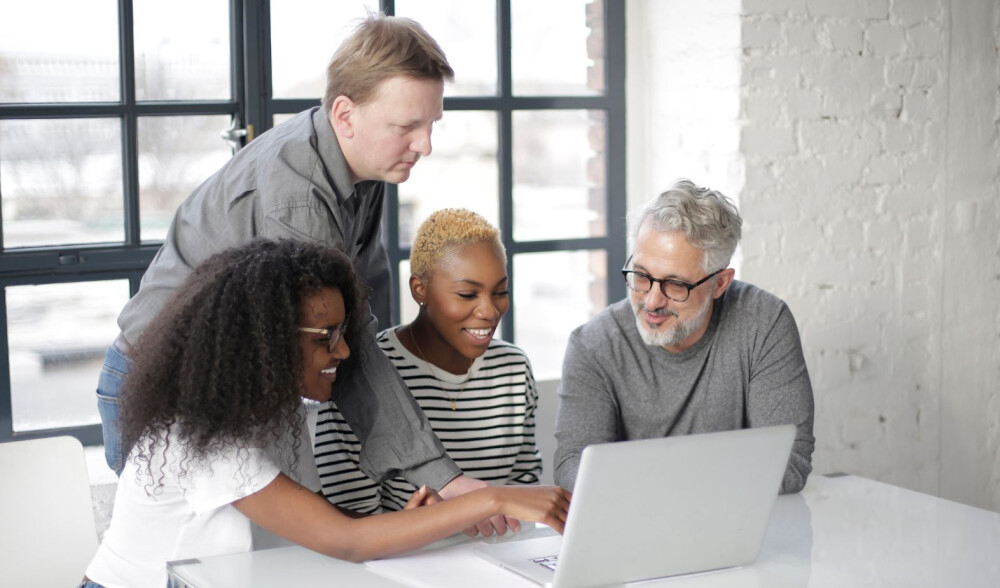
column 477, row 391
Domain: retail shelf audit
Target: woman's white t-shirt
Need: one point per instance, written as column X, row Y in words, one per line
column 191, row 515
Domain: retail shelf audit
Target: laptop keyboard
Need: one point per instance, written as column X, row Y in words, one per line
column 548, row 562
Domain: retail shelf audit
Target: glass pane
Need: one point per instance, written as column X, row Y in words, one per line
column 461, row 172
column 280, row 118
column 408, row 309
column 304, row 36
column 554, row 293
column 557, row 47
column 182, row 50
column 176, row 154
column 467, row 33
column 59, row 51
column 61, row 181
column 559, row 174
column 58, row 334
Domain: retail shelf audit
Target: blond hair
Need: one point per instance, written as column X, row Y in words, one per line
column 446, row 231
column 380, row 48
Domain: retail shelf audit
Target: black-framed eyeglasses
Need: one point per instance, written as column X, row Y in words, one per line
column 675, row 290
column 333, row 334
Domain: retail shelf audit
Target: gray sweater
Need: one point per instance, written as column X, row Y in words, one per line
column 746, row 371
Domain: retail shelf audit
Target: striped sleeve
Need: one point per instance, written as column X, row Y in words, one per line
column 337, row 452
column 490, row 434
column 528, row 466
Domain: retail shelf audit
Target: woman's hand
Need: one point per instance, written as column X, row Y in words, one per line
column 543, row 504
column 292, row 511
column 422, row 497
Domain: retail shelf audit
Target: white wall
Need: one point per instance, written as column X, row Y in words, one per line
column 683, row 80
column 866, row 168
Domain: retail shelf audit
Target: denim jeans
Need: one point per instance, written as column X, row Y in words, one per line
column 89, row 584
column 109, row 386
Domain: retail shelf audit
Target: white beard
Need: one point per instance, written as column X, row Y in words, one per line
column 672, row 335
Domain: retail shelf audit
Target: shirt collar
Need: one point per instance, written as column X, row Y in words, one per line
column 333, row 157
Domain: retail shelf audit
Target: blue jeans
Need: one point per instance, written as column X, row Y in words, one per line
column 109, row 386
column 89, row 584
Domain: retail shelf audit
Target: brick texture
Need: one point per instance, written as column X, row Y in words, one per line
column 866, row 167
column 886, row 266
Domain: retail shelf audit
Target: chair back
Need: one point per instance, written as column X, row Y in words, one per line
column 47, row 532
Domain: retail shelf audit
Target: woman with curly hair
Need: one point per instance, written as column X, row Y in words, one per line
column 477, row 391
column 216, row 422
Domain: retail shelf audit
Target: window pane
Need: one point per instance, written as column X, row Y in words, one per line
column 461, row 172
column 58, row 334
column 179, row 56
column 176, row 154
column 58, row 51
column 280, row 118
column 558, row 174
column 61, row 181
column 467, row 33
column 555, row 293
column 304, row 35
column 557, row 47
column 408, row 309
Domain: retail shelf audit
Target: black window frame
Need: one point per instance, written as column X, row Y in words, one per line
column 251, row 101
column 102, row 261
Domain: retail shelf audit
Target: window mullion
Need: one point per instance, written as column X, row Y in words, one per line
column 237, row 62
column 256, row 64
column 130, row 141
column 615, row 146
column 505, row 154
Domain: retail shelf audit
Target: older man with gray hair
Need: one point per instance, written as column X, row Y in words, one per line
column 691, row 350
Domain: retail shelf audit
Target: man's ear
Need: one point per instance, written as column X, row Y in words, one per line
column 418, row 290
column 340, row 116
column 725, row 278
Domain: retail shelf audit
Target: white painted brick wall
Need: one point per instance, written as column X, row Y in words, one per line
column 869, row 232
column 869, row 154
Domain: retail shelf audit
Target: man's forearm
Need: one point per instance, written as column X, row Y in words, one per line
column 395, row 435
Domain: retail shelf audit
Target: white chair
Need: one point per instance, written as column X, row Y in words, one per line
column 47, row 532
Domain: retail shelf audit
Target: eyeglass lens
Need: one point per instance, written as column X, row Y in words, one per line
column 336, row 333
column 641, row 283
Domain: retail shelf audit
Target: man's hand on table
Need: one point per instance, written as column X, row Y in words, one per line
column 498, row 524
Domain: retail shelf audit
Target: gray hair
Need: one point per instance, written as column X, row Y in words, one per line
column 709, row 220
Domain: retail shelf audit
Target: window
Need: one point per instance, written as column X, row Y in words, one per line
column 532, row 139
column 106, row 128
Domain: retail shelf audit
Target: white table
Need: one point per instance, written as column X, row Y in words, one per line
column 839, row 531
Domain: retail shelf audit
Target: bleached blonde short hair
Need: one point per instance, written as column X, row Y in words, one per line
column 445, row 232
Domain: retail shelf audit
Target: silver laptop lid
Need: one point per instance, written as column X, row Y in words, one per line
column 659, row 507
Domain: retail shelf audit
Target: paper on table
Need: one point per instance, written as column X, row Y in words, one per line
column 449, row 566
column 455, row 564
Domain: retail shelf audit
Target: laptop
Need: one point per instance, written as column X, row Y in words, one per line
column 659, row 507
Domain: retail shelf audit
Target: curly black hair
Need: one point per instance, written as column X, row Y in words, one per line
column 221, row 365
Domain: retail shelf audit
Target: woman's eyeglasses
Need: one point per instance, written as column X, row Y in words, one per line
column 333, row 334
